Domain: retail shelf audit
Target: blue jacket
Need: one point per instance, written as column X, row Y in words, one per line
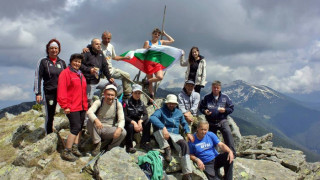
column 210, row 103
column 163, row 117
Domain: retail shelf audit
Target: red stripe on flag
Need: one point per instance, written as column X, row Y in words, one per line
column 148, row 67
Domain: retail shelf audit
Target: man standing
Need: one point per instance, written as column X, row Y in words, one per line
column 217, row 106
column 188, row 103
column 106, row 120
column 109, row 53
column 166, row 122
column 92, row 66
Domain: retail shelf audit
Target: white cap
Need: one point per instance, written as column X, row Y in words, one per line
column 136, row 87
column 111, row 86
column 171, row 98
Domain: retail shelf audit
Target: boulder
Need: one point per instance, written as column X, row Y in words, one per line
column 11, row 172
column 117, row 164
column 56, row 175
column 261, row 169
column 292, row 159
column 9, row 116
column 28, row 155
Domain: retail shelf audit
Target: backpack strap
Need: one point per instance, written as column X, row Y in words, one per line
column 115, row 119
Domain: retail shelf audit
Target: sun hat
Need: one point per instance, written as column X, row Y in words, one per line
column 171, row 98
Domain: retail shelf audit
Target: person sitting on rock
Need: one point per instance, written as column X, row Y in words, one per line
column 217, row 106
column 106, row 120
column 188, row 103
column 166, row 122
column 136, row 117
column 204, row 154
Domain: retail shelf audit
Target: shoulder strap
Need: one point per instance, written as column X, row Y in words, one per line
column 150, row 43
column 115, row 119
column 102, row 99
column 159, row 42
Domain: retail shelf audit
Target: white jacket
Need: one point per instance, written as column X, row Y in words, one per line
column 201, row 72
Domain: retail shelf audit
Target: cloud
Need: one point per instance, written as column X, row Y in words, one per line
column 10, row 92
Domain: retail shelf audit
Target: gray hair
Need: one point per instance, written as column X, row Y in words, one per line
column 202, row 122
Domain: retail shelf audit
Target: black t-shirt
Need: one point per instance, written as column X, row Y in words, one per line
column 193, row 70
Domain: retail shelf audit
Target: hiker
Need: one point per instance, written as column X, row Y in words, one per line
column 48, row 69
column 166, row 122
column 93, row 65
column 137, row 121
column 110, row 54
column 204, row 154
column 196, row 70
column 106, row 120
column 188, row 101
column 72, row 97
column 217, row 106
column 156, row 33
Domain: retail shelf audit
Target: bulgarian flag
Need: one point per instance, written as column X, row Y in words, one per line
column 153, row 59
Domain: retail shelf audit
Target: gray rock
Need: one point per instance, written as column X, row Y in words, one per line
column 27, row 156
column 56, row 175
column 11, row 172
column 19, row 134
column 61, row 123
column 9, row 116
column 235, row 131
column 291, row 159
column 111, row 166
column 261, row 169
column 42, row 163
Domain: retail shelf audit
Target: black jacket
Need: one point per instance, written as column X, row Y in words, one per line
column 210, row 103
column 134, row 110
column 93, row 59
column 49, row 72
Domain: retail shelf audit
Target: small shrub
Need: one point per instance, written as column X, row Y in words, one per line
column 37, row 107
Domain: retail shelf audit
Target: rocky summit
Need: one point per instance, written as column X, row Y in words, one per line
column 27, row 153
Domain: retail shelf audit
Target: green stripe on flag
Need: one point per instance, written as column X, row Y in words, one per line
column 157, row 57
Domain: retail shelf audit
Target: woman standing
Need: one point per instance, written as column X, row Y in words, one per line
column 72, row 97
column 196, row 68
column 156, row 33
column 48, row 70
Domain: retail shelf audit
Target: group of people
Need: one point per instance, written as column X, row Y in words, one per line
column 73, row 87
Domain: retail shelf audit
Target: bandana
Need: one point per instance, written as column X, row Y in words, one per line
column 53, row 44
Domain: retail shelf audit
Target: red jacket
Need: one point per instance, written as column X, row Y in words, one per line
column 72, row 91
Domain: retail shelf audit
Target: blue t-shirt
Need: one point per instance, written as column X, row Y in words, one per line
column 204, row 149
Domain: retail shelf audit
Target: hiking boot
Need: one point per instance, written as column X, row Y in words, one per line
column 130, row 150
column 68, row 156
column 187, row 177
column 96, row 149
column 167, row 155
column 146, row 147
column 75, row 150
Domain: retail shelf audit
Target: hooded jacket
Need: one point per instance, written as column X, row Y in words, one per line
column 72, row 91
column 163, row 117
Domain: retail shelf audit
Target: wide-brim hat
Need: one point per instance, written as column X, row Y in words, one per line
column 171, row 98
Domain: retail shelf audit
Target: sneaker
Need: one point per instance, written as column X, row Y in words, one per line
column 75, row 150
column 146, row 147
column 131, row 150
column 68, row 156
column 167, row 155
column 96, row 149
column 187, row 177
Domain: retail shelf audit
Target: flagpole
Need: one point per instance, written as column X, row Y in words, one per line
column 164, row 17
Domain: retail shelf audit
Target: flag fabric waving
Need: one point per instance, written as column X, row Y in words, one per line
column 153, row 59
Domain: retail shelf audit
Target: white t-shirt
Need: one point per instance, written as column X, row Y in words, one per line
column 109, row 53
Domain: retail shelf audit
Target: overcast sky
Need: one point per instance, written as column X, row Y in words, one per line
column 274, row 43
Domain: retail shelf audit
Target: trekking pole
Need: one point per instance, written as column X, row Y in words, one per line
column 92, row 160
column 153, row 102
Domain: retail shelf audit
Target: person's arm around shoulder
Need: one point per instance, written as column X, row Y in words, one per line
column 226, row 149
